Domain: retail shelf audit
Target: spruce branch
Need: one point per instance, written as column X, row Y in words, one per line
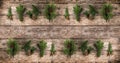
column 77, row 11
column 99, row 46
column 106, row 12
column 42, row 45
column 20, row 11
column 69, row 47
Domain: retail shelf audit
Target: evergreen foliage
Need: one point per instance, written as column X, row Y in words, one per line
column 109, row 51
column 99, row 46
column 67, row 14
column 85, row 48
column 12, row 47
column 77, row 11
column 9, row 15
column 69, row 47
column 42, row 45
column 52, row 50
column 20, row 11
column 106, row 12
column 50, row 12
column 28, row 48
column 90, row 14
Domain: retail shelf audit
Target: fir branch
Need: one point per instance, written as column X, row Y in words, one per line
column 109, row 51
column 20, row 11
column 99, row 46
column 42, row 45
column 66, row 15
column 28, row 48
column 77, row 11
column 12, row 47
column 50, row 12
column 34, row 13
column 85, row 48
column 90, row 14
column 69, row 47
column 9, row 15
column 106, row 12
column 52, row 50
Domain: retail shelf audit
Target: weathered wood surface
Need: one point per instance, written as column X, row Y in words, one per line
column 59, row 30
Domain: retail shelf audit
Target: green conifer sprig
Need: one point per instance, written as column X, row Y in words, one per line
column 99, row 46
column 77, row 11
column 20, row 11
column 67, row 14
column 42, row 45
column 52, row 50
column 109, row 51
column 12, row 47
column 34, row 13
column 85, row 48
column 90, row 14
column 106, row 12
column 69, row 47
column 50, row 12
column 28, row 48
column 10, row 15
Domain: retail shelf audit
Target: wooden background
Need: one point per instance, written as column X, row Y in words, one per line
column 59, row 30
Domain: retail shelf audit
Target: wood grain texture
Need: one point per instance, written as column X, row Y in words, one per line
column 58, row 31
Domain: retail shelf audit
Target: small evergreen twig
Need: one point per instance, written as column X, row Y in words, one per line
column 90, row 14
column 77, row 11
column 106, row 12
column 20, row 11
column 85, row 48
column 52, row 50
column 34, row 13
column 69, row 47
column 42, row 45
column 109, row 51
column 10, row 15
column 28, row 48
column 66, row 15
column 99, row 46
column 12, row 47
column 50, row 12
